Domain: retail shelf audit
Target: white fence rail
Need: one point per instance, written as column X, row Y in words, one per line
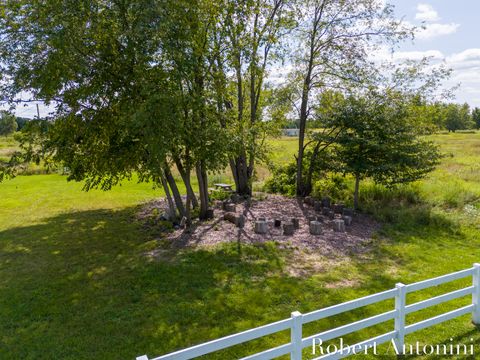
column 295, row 322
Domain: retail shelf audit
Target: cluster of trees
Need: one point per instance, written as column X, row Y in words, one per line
column 145, row 86
column 453, row 117
column 8, row 123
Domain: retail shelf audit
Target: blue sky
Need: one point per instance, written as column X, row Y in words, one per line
column 452, row 35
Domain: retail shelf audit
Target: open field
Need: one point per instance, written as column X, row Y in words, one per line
column 76, row 280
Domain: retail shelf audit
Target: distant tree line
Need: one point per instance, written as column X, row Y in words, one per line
column 435, row 116
column 10, row 123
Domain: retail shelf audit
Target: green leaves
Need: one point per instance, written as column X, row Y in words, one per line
column 377, row 139
column 8, row 123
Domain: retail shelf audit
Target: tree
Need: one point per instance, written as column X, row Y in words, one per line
column 248, row 34
column 21, row 121
column 458, row 117
column 335, row 39
column 132, row 84
column 378, row 140
column 8, row 123
column 476, row 117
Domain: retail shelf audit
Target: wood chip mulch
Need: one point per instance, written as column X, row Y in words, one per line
column 355, row 240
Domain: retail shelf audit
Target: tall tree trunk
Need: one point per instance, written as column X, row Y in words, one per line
column 171, row 207
column 181, row 170
column 242, row 174
column 307, row 84
column 175, row 192
column 188, row 183
column 301, row 139
column 355, row 194
column 203, row 189
column 308, row 181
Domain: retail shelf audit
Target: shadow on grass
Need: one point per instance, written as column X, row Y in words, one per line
column 81, row 285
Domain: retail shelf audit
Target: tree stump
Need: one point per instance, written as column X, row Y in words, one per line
column 296, row 223
column 235, row 198
column 339, row 225
column 183, row 222
column 229, row 207
column 326, row 202
column 238, row 221
column 317, row 206
column 338, row 208
column 347, row 212
column 326, row 211
column 312, row 218
column 210, row 213
column 331, row 214
column 308, row 200
column 347, row 219
column 277, row 223
column 288, row 229
column 315, row 227
column 261, row 227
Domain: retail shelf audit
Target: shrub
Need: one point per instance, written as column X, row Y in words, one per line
column 282, row 181
column 334, row 186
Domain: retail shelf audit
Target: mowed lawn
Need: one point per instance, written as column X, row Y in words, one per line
column 77, row 279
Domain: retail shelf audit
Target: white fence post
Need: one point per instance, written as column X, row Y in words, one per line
column 296, row 336
column 476, row 294
column 400, row 303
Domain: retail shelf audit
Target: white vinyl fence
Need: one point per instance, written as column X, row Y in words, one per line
column 295, row 322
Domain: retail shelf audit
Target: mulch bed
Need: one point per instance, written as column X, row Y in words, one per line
column 354, row 240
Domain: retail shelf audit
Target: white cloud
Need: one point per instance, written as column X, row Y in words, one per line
column 435, row 30
column 426, row 12
column 465, row 67
column 469, row 55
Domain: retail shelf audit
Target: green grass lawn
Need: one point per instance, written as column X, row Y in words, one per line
column 77, row 281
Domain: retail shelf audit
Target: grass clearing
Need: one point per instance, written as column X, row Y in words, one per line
column 76, row 281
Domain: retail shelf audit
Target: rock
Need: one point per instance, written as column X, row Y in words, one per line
column 347, row 212
column 347, row 219
column 183, row 222
column 315, row 227
column 326, row 202
column 277, row 223
column 338, row 208
column 229, row 207
column 219, row 204
column 339, row 225
column 288, row 229
column 261, row 227
column 296, row 223
column 210, row 213
column 318, row 206
column 326, row 211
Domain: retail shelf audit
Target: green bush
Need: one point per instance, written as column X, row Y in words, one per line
column 334, row 186
column 219, row 195
column 282, row 181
